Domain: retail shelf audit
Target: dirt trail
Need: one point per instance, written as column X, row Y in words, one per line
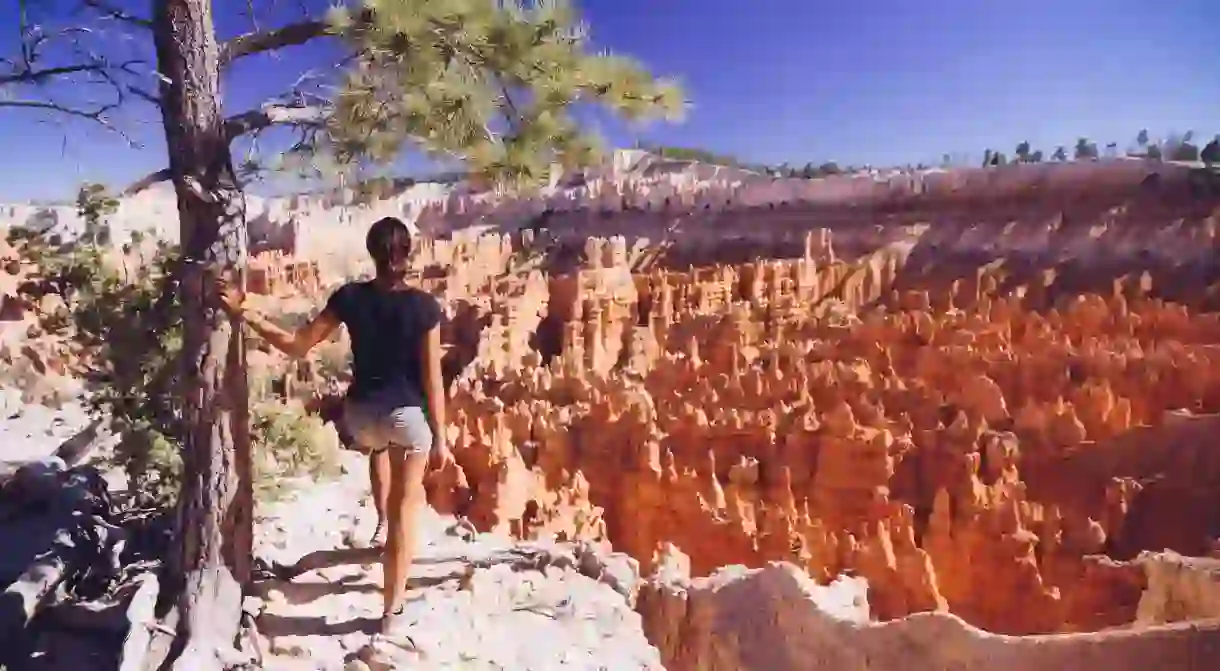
column 476, row 601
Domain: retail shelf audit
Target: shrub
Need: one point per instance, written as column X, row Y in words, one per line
column 63, row 269
column 334, row 360
column 95, row 205
column 135, row 330
column 288, row 443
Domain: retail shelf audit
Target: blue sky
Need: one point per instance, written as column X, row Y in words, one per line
column 882, row 82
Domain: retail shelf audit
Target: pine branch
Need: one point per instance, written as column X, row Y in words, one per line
column 269, row 40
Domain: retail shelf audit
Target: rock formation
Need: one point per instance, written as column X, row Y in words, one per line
column 938, row 452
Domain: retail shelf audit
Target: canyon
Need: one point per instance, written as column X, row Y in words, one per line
column 952, row 419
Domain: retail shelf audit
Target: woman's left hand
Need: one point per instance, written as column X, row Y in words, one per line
column 232, row 299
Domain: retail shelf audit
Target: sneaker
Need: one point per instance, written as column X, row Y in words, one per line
column 394, row 628
column 379, row 534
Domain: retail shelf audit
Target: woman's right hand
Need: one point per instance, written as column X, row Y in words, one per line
column 442, row 456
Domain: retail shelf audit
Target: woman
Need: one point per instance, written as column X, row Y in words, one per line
column 395, row 406
column 328, row 405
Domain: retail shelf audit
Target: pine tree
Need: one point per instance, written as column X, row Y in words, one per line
column 1180, row 148
column 1022, row 152
column 1085, row 150
column 1211, row 151
column 488, row 82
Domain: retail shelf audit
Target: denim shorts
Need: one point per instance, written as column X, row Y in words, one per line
column 373, row 427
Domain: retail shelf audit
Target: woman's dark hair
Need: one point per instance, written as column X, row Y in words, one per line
column 388, row 240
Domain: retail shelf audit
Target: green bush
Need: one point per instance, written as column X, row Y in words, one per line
column 63, row 269
column 288, row 443
column 334, row 360
column 95, row 205
column 135, row 331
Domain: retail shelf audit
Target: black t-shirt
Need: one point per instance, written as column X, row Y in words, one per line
column 387, row 329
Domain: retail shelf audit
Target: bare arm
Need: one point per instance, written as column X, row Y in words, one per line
column 434, row 382
column 298, row 343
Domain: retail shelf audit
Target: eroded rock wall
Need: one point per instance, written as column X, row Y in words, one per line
column 775, row 618
column 1180, row 589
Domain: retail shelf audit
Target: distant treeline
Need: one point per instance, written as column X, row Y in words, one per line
column 1174, row 147
column 783, row 170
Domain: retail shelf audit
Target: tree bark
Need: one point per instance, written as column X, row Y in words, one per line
column 215, row 508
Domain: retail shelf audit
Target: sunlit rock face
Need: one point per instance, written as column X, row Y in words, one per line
column 964, row 415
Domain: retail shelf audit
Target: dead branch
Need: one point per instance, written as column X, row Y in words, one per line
column 33, row 67
column 22, row 600
column 162, row 175
column 109, row 614
column 27, row 67
column 244, row 124
column 141, row 618
column 76, row 449
column 164, row 634
column 28, row 74
column 98, row 114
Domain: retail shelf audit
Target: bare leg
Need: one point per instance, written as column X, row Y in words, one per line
column 405, row 500
column 379, row 478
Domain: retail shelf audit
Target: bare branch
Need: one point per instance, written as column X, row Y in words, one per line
column 98, row 114
column 61, row 59
column 245, row 123
column 104, row 8
column 24, row 69
column 28, row 74
column 142, row 94
column 162, row 175
column 269, row 40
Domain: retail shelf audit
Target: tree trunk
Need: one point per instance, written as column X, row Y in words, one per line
column 215, row 508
